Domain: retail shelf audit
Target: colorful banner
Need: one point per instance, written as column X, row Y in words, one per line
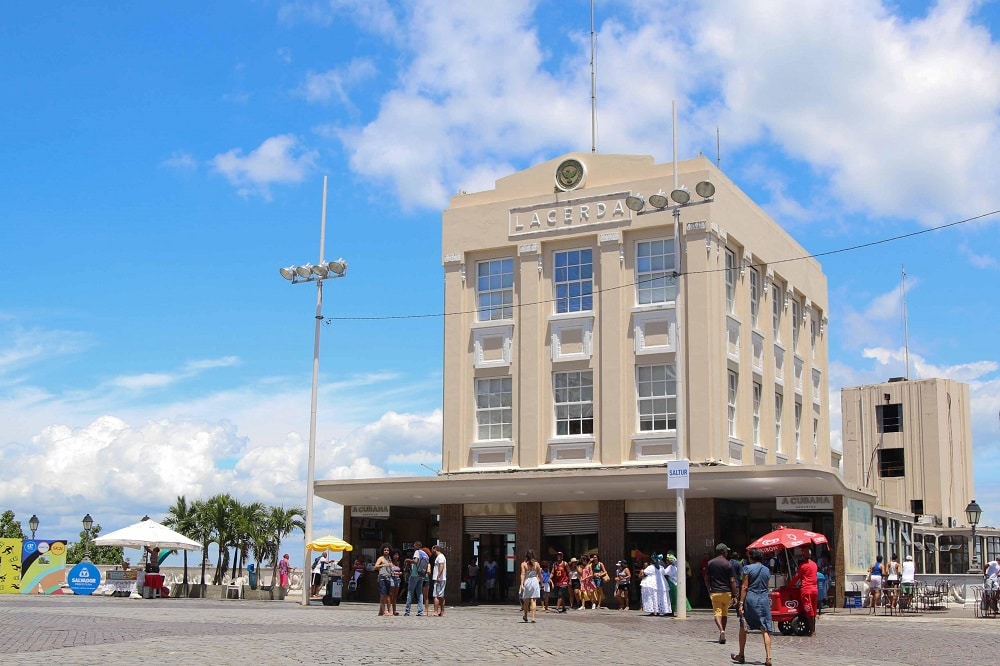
column 43, row 566
column 10, row 566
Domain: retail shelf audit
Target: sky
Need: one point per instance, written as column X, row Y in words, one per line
column 161, row 161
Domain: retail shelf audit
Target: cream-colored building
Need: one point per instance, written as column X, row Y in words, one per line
column 588, row 342
column 910, row 443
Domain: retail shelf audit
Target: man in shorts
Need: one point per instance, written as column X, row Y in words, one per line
column 721, row 584
column 440, row 580
column 560, row 581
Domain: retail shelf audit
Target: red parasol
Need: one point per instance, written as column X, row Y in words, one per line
column 786, row 538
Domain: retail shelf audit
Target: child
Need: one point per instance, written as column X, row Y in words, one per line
column 546, row 586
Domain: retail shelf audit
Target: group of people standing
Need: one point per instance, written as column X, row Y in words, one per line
column 898, row 581
column 425, row 573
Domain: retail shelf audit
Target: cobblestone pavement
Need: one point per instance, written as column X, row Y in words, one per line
column 102, row 630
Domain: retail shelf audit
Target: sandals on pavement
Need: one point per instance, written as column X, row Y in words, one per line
column 737, row 658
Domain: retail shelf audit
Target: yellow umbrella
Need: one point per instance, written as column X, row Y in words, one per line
column 329, row 543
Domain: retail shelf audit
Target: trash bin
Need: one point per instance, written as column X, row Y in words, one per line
column 334, row 591
column 252, row 572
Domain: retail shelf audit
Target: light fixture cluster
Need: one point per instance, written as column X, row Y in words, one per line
column 680, row 196
column 311, row 273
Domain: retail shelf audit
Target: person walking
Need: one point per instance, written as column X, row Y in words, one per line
column 807, row 577
column 560, row 579
column 875, row 584
column 721, row 584
column 623, row 579
column 531, row 574
column 284, row 568
column 893, row 575
column 440, row 579
column 419, row 565
column 754, row 606
column 587, row 589
column 383, row 565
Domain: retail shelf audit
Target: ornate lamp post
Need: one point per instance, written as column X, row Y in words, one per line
column 972, row 514
column 88, row 524
column 33, row 525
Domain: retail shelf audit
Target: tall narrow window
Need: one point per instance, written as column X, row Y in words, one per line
column 815, row 436
column 796, row 316
column 730, row 276
column 493, row 408
column 574, row 402
column 655, row 263
column 495, row 289
column 798, row 429
column 754, row 296
column 574, row 281
column 756, row 413
column 733, row 386
column 779, row 401
column 656, row 389
column 777, row 304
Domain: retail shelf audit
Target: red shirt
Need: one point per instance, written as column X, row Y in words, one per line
column 807, row 574
column 560, row 577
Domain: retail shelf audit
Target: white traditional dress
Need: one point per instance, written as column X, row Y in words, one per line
column 655, row 591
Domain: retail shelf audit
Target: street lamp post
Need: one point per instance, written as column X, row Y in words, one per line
column 88, row 524
column 972, row 513
column 308, row 273
column 659, row 201
column 33, row 525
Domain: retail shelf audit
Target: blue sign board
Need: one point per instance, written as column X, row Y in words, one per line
column 84, row 578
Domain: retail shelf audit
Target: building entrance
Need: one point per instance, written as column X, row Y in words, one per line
column 496, row 575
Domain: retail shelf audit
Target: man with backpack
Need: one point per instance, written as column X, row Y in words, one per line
column 419, row 565
column 318, row 568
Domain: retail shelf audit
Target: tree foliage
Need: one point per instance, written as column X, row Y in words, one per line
column 10, row 528
column 75, row 552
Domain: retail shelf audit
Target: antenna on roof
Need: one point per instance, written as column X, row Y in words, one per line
column 593, row 83
column 906, row 328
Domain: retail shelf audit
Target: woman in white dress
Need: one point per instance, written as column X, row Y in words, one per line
column 531, row 573
column 654, row 588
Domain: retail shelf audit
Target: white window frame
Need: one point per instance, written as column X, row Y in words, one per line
column 504, row 310
column 757, row 390
column 777, row 296
column 796, row 314
column 798, row 429
column 573, row 404
column 585, row 301
column 754, row 296
column 494, row 408
column 729, row 275
column 731, row 397
column 779, row 403
column 660, row 274
column 650, row 391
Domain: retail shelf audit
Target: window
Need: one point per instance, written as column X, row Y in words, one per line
column 655, row 265
column 493, row 408
column 756, row 413
column 730, row 276
column 733, row 385
column 953, row 554
column 813, row 327
column 917, row 507
column 796, row 315
column 656, row 388
column 574, row 401
column 779, row 401
column 889, row 417
column 798, row 428
column 754, row 296
column 495, row 289
column 777, row 298
column 815, row 437
column 890, row 463
column 574, row 281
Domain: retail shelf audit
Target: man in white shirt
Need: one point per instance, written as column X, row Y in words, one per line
column 319, row 566
column 440, row 579
column 992, row 584
column 907, row 581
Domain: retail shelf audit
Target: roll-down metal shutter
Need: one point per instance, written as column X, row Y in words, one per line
column 490, row 524
column 651, row 522
column 577, row 523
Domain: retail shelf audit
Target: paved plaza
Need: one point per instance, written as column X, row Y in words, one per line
column 105, row 630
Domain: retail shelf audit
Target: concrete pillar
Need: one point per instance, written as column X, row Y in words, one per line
column 528, row 534
column 451, row 531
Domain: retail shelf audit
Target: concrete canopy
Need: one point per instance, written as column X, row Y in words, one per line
column 598, row 483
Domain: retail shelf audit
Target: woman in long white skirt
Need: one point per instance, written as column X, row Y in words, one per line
column 654, row 588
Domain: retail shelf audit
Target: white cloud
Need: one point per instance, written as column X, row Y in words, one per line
column 150, row 380
column 894, row 360
column 278, row 159
column 180, row 160
column 334, row 83
column 20, row 346
column 976, row 259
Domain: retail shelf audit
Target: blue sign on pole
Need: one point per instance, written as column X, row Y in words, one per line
column 84, row 578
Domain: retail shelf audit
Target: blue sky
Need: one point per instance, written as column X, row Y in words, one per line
column 161, row 162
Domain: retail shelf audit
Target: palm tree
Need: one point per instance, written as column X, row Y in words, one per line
column 182, row 518
column 280, row 523
column 203, row 530
column 218, row 514
column 248, row 520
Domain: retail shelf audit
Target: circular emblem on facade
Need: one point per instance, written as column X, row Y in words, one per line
column 570, row 175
